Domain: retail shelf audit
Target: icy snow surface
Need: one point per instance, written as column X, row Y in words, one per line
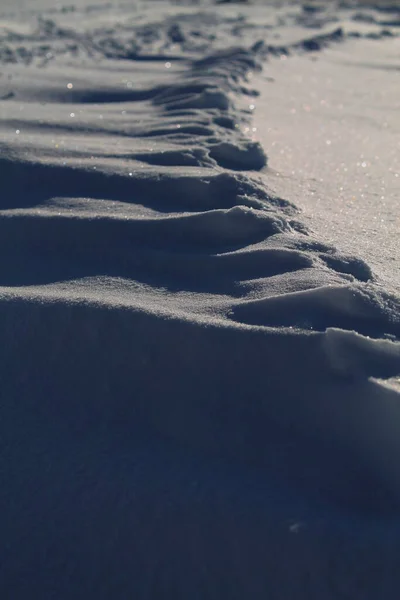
column 200, row 355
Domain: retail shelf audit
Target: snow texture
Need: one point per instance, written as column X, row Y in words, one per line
column 199, row 397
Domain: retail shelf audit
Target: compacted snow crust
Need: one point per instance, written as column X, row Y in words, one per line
column 199, row 396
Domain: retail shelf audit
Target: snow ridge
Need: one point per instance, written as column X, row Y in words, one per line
column 181, row 220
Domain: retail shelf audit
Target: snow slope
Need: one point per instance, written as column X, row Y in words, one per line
column 199, row 395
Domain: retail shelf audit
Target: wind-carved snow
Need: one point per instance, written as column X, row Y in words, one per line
column 159, row 304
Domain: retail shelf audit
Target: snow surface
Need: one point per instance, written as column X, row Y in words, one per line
column 199, row 376
column 331, row 126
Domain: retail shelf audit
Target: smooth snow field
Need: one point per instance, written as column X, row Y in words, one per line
column 331, row 126
column 199, row 301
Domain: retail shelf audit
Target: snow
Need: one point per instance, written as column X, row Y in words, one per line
column 200, row 332
column 331, row 126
